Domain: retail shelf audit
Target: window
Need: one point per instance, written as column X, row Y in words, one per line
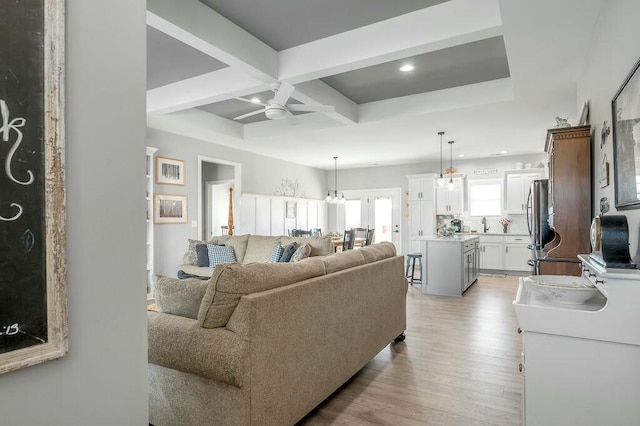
column 485, row 197
column 352, row 214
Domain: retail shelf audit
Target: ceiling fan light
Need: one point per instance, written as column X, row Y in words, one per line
column 276, row 113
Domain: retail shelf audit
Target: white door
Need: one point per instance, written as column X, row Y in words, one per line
column 384, row 216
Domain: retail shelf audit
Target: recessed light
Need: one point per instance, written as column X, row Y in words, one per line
column 503, row 152
column 460, row 155
column 407, row 68
column 255, row 100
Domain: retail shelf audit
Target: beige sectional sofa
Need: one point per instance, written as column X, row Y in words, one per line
column 255, row 248
column 263, row 344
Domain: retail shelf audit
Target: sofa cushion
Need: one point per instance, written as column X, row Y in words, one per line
column 276, row 254
column 343, row 260
column 378, row 251
column 238, row 242
column 302, row 252
column 320, row 246
column 196, row 270
column 259, row 248
column 232, row 281
column 179, row 297
column 288, row 252
column 202, row 255
column 220, row 254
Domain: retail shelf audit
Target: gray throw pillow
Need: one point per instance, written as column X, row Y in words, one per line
column 202, row 255
column 288, row 252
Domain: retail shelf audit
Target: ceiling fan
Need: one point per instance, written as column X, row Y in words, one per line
column 277, row 108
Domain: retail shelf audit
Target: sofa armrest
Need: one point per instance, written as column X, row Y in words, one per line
column 179, row 343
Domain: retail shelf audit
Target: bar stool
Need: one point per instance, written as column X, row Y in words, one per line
column 412, row 260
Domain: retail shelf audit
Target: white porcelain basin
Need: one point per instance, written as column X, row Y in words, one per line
column 562, row 289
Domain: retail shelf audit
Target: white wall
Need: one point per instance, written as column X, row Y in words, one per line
column 260, row 175
column 103, row 379
column 614, row 49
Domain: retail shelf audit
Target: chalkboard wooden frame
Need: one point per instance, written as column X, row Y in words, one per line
column 52, row 169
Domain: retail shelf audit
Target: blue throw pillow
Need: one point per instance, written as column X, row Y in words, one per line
column 220, row 254
column 276, row 254
column 288, row 252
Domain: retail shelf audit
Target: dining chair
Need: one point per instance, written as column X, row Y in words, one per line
column 348, row 240
column 370, row 233
column 300, row 233
column 316, row 232
column 360, row 236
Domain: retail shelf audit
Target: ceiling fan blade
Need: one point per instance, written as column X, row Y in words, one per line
column 240, row 117
column 249, row 101
column 311, row 108
column 292, row 118
column 284, row 91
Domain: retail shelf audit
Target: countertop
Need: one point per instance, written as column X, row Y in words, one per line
column 455, row 238
column 493, row 234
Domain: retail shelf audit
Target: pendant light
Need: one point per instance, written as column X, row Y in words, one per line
column 335, row 199
column 450, row 185
column 440, row 179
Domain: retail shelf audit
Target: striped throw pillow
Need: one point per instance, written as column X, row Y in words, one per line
column 276, row 254
column 220, row 254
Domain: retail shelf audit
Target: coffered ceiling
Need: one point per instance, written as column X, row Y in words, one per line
column 492, row 74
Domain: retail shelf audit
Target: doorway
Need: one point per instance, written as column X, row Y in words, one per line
column 377, row 209
column 215, row 177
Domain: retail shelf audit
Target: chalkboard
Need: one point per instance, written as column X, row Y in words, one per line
column 32, row 232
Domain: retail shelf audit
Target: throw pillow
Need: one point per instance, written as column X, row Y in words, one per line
column 220, row 254
column 301, row 253
column 288, row 252
column 192, row 256
column 276, row 254
column 202, row 254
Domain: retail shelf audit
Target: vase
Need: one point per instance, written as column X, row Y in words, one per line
column 504, row 228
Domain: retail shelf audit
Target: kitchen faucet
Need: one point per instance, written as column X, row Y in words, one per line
column 484, row 224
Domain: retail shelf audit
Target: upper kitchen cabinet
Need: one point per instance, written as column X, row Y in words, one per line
column 518, row 183
column 450, row 201
column 420, row 187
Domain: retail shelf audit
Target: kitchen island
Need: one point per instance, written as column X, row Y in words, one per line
column 451, row 264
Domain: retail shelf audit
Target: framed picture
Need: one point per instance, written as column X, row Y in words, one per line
column 169, row 208
column 33, row 287
column 290, row 209
column 169, row 171
column 626, row 141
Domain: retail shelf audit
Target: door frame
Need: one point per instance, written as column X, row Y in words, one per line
column 237, row 182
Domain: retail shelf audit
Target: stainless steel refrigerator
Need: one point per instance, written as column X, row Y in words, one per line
column 538, row 219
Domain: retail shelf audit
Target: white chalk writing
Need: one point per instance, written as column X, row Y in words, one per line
column 9, row 330
column 5, row 132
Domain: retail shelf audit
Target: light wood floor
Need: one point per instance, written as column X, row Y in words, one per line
column 457, row 366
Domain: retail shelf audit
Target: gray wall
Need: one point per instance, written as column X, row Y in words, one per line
column 613, row 51
column 260, row 175
column 103, row 379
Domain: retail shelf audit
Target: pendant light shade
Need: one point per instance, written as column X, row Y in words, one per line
column 332, row 196
column 440, row 179
column 450, row 186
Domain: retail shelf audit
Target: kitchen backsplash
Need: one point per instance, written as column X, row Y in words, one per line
column 518, row 223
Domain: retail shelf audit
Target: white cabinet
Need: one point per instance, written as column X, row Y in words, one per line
column 150, row 163
column 449, row 201
column 516, row 253
column 421, row 207
column 517, row 189
column 491, row 250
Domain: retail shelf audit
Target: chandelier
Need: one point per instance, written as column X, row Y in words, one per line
column 335, row 199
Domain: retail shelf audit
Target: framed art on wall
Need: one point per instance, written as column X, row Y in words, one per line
column 169, row 208
column 290, row 210
column 33, row 287
column 626, row 141
column 170, row 171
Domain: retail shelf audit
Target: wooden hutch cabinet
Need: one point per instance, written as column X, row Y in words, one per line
column 570, row 204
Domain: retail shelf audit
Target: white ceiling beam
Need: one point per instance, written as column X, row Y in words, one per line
column 196, row 124
column 486, row 93
column 200, row 27
column 445, row 25
column 204, row 89
column 316, row 92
